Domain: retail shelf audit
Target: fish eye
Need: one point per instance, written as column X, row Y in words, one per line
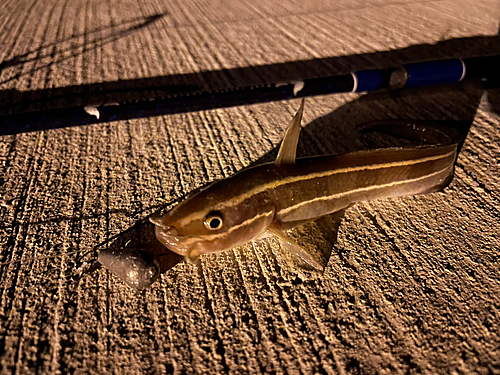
column 213, row 221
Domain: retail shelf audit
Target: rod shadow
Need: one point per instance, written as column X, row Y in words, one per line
column 179, row 93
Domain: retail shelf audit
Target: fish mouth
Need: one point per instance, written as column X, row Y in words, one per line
column 157, row 220
column 167, row 235
column 170, row 237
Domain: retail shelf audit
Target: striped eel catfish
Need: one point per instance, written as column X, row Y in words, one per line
column 271, row 198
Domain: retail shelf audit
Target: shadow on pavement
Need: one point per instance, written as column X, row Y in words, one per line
column 179, row 93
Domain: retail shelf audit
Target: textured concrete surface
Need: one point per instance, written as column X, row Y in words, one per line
column 412, row 285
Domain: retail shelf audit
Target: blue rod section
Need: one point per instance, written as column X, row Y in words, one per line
column 434, row 73
column 370, row 80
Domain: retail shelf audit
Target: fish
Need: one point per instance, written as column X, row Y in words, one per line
column 270, row 199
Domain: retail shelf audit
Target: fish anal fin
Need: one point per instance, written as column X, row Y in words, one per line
column 288, row 148
column 294, row 248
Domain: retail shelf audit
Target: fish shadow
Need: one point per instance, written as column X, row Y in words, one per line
column 341, row 130
column 338, row 132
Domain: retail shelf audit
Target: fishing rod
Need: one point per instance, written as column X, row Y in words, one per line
column 413, row 75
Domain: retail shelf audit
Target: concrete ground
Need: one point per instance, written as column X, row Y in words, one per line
column 412, row 284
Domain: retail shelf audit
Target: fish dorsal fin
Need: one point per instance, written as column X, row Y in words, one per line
column 288, row 148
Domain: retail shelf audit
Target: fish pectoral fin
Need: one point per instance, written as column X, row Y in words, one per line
column 293, row 247
column 288, row 148
column 192, row 256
